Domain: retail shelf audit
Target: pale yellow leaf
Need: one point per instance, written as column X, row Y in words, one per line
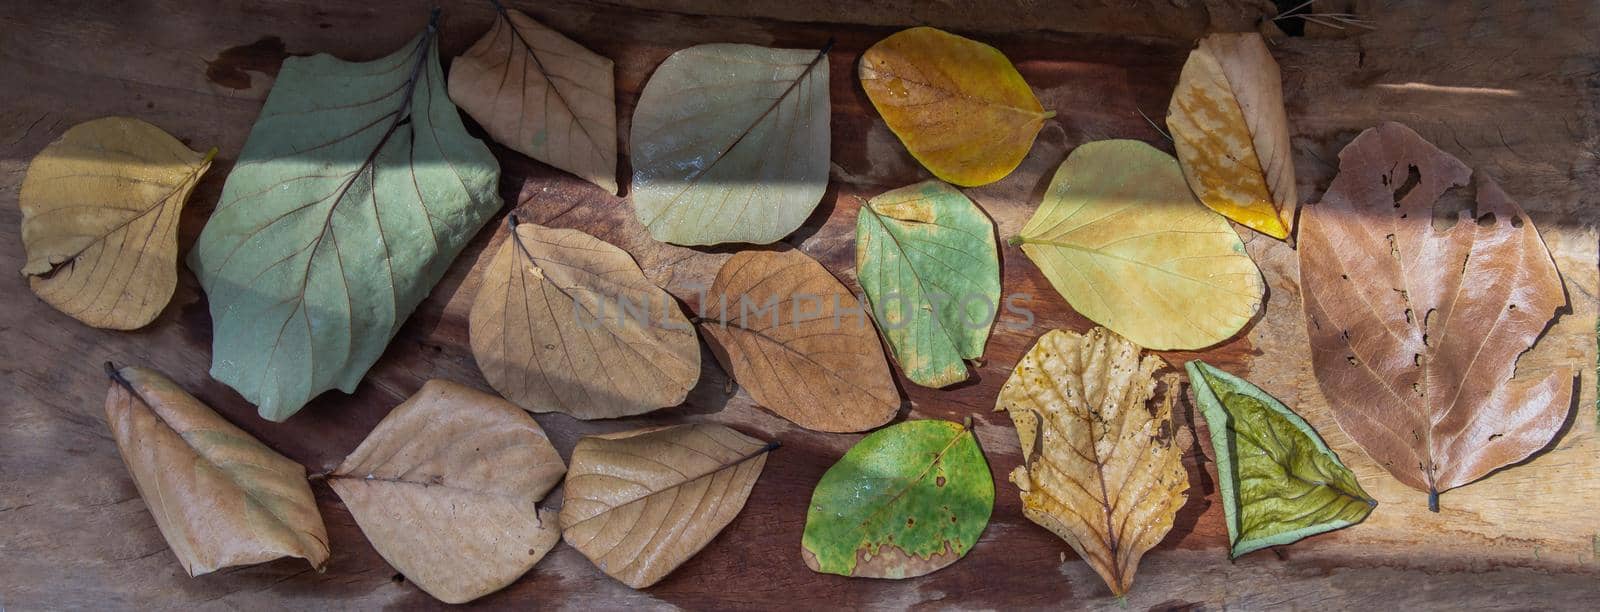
column 100, row 220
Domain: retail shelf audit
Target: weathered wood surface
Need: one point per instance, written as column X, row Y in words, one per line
column 1509, row 88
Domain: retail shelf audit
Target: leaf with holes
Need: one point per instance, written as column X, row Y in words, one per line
column 730, row 144
column 787, row 331
column 1099, row 468
column 958, row 105
column 543, row 95
column 1231, row 134
column 356, row 189
column 566, row 322
column 905, row 501
column 1279, row 482
column 925, row 255
column 220, row 497
column 1122, row 238
column 640, row 503
column 100, row 220
column 1416, row 330
column 446, row 487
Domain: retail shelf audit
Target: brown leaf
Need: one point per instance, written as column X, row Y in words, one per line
column 1415, row 331
column 640, row 503
column 220, row 497
column 566, row 322
column 1099, row 467
column 1231, row 134
column 798, row 340
column 446, row 489
column 543, row 95
column 100, row 209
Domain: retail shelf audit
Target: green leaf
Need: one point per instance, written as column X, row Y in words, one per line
column 905, row 501
column 925, row 255
column 730, row 144
column 357, row 187
column 1280, row 482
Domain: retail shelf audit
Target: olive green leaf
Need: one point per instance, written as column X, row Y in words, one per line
column 357, row 187
column 1280, row 482
column 905, row 501
column 730, row 144
column 925, row 255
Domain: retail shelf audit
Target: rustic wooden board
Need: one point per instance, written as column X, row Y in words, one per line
column 1513, row 90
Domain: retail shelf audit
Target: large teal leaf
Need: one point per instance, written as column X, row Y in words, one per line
column 1279, row 481
column 925, row 255
column 905, row 501
column 356, row 189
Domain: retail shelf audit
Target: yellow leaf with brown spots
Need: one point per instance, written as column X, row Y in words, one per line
column 1099, row 467
column 958, row 105
column 100, row 220
column 1232, row 137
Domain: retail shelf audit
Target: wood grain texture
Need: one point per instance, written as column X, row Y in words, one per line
column 1509, row 91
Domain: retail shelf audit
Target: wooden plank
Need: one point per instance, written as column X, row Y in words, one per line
column 1510, row 90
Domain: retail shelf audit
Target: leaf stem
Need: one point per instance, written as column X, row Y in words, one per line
column 1015, row 241
column 116, row 375
column 1433, row 499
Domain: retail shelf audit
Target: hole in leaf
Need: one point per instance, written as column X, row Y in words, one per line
column 1451, row 205
column 1351, row 359
column 1413, row 176
column 1517, row 222
column 938, row 482
column 1486, row 220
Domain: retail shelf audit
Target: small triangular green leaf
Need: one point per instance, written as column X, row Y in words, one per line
column 905, row 501
column 926, row 257
column 1279, row 481
column 356, row 189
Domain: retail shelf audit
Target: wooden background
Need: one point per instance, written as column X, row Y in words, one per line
column 1510, row 88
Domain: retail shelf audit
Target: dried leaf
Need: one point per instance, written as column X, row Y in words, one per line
column 905, row 501
column 1120, row 236
column 566, row 322
column 787, row 331
column 100, row 220
column 1279, row 482
column 1231, row 134
column 958, row 105
column 446, row 488
column 220, row 497
column 1415, row 331
column 357, row 187
column 730, row 144
column 543, row 95
column 640, row 503
column 925, row 255
column 1099, row 468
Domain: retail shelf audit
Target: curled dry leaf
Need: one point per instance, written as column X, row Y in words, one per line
column 640, row 503
column 220, row 497
column 100, row 220
column 543, row 95
column 1278, row 481
column 566, row 322
column 925, row 255
column 958, row 105
column 730, row 143
column 1099, row 467
column 787, row 331
column 446, row 487
column 357, row 187
column 1415, row 331
column 904, row 501
column 1120, row 236
column 1231, row 134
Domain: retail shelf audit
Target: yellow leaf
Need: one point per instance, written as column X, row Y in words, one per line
column 220, row 497
column 958, row 105
column 100, row 220
column 543, row 95
column 1099, row 468
column 1120, row 236
column 1229, row 129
